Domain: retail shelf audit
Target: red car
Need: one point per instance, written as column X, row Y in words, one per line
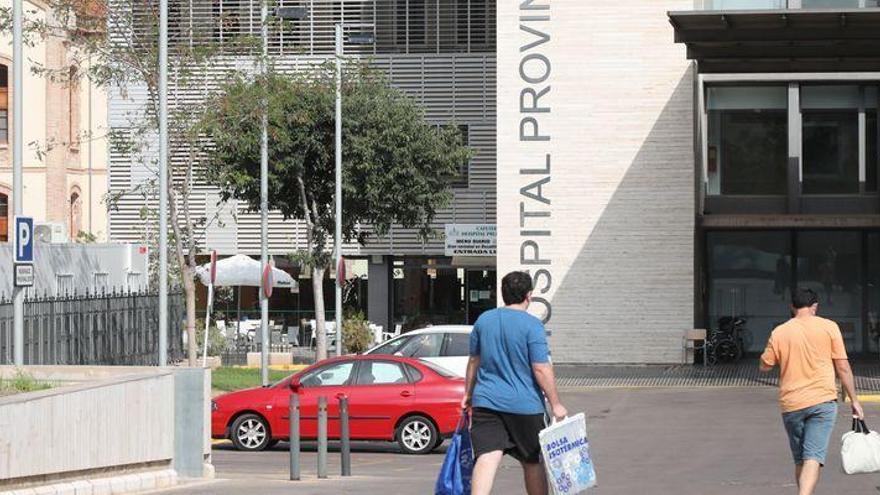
column 390, row 398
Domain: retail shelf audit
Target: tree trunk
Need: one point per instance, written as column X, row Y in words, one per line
column 189, row 290
column 320, row 328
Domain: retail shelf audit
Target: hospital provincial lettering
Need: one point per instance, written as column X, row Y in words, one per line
column 534, row 135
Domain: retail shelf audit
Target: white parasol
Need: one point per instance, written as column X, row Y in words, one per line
column 242, row 270
column 236, row 270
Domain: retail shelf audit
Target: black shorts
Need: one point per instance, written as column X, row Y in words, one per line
column 514, row 434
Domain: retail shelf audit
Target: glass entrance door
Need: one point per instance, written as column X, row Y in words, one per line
column 480, row 293
column 872, row 288
column 751, row 275
column 830, row 263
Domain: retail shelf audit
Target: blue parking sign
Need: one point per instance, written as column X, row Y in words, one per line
column 24, row 240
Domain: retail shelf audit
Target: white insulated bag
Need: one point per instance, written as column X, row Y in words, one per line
column 566, row 454
column 860, row 451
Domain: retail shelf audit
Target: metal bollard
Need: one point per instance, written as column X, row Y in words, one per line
column 294, row 437
column 345, row 448
column 322, row 437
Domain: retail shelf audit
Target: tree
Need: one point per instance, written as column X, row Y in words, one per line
column 397, row 167
column 113, row 44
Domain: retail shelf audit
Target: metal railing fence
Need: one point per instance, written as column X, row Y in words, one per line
column 236, row 354
column 107, row 328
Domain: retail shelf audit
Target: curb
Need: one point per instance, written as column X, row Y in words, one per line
column 118, row 485
column 277, row 367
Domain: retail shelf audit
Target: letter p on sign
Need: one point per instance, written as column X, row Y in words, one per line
column 24, row 240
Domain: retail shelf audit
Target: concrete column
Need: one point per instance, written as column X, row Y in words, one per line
column 380, row 295
column 191, row 421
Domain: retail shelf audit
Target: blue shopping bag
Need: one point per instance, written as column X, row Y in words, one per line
column 455, row 474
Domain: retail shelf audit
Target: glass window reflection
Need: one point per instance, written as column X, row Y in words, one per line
column 748, row 140
column 750, row 276
column 830, row 139
column 829, row 262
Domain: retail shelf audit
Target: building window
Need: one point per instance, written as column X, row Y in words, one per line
column 411, row 22
column 473, row 22
column 750, row 275
column 748, row 140
column 830, row 139
column 230, row 23
column 102, row 281
column 133, row 281
column 73, row 109
column 4, row 104
column 75, row 220
column 4, row 218
column 64, row 284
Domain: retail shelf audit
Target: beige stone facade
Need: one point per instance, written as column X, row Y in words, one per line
column 596, row 174
column 65, row 128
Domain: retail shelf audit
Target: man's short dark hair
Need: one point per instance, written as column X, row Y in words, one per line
column 803, row 298
column 515, row 286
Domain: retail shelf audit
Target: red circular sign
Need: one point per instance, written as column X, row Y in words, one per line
column 268, row 280
column 213, row 267
column 340, row 272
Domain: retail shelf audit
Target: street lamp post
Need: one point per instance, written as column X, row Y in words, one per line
column 17, row 179
column 264, row 199
column 284, row 13
column 163, row 182
column 337, row 235
column 358, row 39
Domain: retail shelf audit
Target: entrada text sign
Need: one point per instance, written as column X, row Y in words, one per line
column 470, row 239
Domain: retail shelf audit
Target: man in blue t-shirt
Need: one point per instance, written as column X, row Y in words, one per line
column 509, row 368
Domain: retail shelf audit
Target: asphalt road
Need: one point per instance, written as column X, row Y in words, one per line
column 710, row 441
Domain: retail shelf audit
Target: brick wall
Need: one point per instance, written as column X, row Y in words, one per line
column 58, row 127
column 613, row 251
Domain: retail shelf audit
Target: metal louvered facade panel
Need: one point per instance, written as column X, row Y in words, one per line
column 453, row 81
column 396, row 26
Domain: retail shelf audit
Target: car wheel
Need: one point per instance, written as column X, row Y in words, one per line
column 250, row 432
column 417, row 435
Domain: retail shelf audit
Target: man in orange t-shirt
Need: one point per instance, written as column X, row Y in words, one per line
column 809, row 351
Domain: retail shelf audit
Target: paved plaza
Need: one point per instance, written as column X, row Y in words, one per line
column 700, row 441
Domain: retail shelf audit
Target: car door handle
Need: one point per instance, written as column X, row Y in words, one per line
column 405, row 393
column 340, row 395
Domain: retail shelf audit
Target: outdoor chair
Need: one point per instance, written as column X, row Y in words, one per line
column 390, row 335
column 329, row 327
column 222, row 328
column 293, row 336
column 690, row 345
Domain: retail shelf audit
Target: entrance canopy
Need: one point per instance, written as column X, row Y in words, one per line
column 783, row 40
column 243, row 270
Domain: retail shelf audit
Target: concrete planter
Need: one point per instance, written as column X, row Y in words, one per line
column 105, row 423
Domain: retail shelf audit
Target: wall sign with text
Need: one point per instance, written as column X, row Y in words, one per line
column 470, row 239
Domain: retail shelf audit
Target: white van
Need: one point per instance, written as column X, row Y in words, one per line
column 444, row 345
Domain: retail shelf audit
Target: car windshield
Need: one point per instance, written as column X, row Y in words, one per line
column 445, row 373
column 390, row 347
